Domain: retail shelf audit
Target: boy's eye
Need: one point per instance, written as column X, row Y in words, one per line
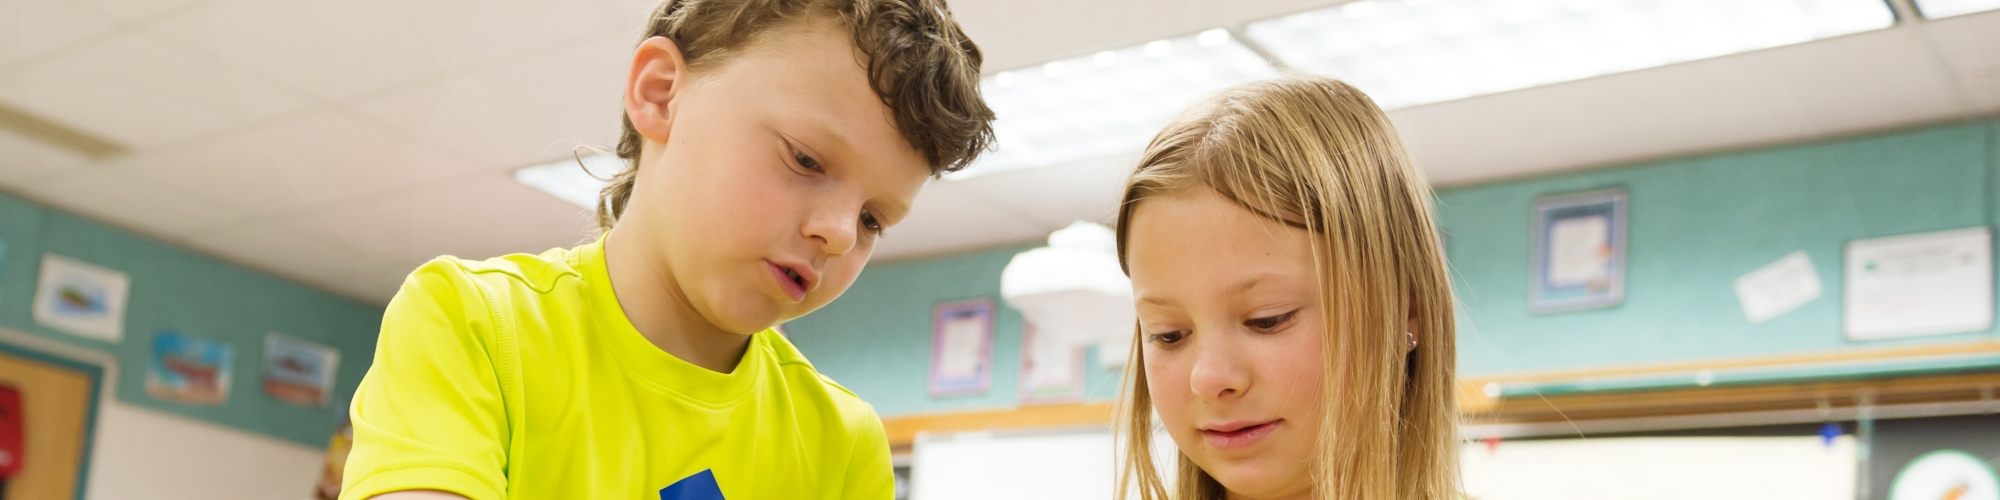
column 869, row 222
column 806, row 161
column 1168, row 339
column 1269, row 323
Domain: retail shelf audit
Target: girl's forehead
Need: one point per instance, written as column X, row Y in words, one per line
column 1202, row 244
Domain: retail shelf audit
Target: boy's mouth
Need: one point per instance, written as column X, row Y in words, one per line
column 794, row 281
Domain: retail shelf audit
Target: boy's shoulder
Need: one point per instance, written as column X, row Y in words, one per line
column 506, row 274
column 791, row 361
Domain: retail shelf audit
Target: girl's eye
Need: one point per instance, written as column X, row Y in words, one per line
column 869, row 222
column 1269, row 323
column 806, row 161
column 1168, row 339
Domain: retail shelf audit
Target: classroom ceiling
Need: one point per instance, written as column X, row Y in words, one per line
column 340, row 144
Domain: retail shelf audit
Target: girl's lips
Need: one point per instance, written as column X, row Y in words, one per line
column 1240, row 437
column 792, row 288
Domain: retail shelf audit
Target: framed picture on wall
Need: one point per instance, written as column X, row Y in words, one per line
column 1051, row 370
column 961, row 348
column 1578, row 259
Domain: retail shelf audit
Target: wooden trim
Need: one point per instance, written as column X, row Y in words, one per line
column 1481, row 409
column 1477, row 408
column 903, row 430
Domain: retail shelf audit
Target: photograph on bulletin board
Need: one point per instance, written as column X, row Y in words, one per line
column 961, row 348
column 189, row 369
column 1052, row 371
column 81, row 299
column 1579, row 251
column 298, row 371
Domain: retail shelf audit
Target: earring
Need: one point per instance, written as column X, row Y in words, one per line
column 1412, row 339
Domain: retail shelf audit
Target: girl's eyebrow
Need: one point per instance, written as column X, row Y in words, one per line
column 1251, row 282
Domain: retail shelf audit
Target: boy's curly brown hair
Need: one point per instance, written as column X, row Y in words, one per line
column 919, row 62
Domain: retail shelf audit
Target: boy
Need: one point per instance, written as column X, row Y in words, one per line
column 770, row 142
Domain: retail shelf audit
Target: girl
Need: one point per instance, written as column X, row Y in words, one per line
column 1295, row 322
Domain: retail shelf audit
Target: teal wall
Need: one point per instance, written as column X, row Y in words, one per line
column 177, row 290
column 1695, row 225
column 876, row 339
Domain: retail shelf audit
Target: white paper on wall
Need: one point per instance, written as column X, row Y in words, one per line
column 964, row 340
column 1778, row 287
column 1578, row 253
column 1920, row 284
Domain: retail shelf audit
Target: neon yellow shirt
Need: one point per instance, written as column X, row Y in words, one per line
column 520, row 378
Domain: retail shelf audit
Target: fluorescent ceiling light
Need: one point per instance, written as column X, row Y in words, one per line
column 1411, row 52
column 1939, row 9
column 1106, row 103
column 567, row 180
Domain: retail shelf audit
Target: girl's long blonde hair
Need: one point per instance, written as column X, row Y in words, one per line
column 1317, row 154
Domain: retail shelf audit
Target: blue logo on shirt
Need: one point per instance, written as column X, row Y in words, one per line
column 700, row 486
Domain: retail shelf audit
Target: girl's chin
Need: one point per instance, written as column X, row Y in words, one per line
column 1256, row 480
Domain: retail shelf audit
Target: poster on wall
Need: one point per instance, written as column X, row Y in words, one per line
column 189, row 369
column 961, row 348
column 1919, row 284
column 298, row 371
column 1579, row 251
column 81, row 299
column 1051, row 370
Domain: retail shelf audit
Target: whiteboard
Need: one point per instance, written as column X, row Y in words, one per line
column 1043, row 466
column 1709, row 468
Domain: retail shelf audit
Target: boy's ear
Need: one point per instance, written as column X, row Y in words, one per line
column 657, row 73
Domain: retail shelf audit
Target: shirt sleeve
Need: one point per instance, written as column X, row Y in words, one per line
column 430, row 413
column 870, row 475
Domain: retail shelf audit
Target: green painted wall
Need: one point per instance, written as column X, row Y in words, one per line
column 1695, row 225
column 876, row 339
column 174, row 289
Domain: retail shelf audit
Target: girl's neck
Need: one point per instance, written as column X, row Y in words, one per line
column 655, row 305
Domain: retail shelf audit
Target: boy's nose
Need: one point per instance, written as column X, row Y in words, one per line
column 831, row 233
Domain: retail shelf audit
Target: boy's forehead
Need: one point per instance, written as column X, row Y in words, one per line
column 817, row 63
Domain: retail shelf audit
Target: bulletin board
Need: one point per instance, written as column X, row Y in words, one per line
column 59, row 399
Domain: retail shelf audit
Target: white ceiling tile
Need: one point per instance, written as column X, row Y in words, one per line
column 1970, row 46
column 300, row 162
column 138, row 92
column 131, row 202
column 1018, row 33
column 286, row 250
column 478, row 218
column 37, row 27
column 1701, row 105
column 131, row 11
column 23, row 160
column 484, row 30
column 513, row 115
column 948, row 217
column 1867, row 81
column 327, row 50
column 1056, row 195
column 375, row 285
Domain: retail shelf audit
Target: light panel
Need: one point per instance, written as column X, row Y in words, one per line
column 1411, row 52
column 1106, row 103
column 1939, row 9
column 567, row 180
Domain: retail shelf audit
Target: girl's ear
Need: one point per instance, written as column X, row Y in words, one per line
column 1416, row 333
column 658, row 71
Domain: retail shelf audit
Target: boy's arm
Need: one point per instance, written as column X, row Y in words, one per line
column 870, row 475
column 430, row 415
